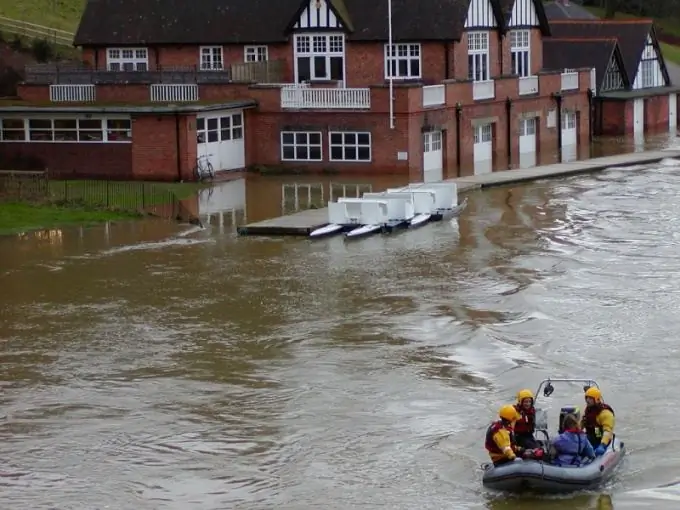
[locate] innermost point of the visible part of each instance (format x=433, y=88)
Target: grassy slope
x=60, y=14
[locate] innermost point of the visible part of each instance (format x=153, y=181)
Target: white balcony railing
x=325, y=98
x=483, y=90
x=569, y=80
x=167, y=92
x=434, y=95
x=528, y=85
x=72, y=93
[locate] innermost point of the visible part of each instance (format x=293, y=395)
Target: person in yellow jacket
x=598, y=421
x=500, y=439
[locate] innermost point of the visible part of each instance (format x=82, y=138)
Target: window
x=432, y=141
x=212, y=58
x=568, y=120
x=478, y=56
x=127, y=59
x=402, y=61
x=319, y=57
x=219, y=129
x=349, y=146
x=483, y=134
x=300, y=146
x=65, y=129
x=255, y=54
x=12, y=130
x=527, y=127
x=650, y=70
x=520, y=45
x=612, y=78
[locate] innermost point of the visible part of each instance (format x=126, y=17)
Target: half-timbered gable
x=523, y=15
x=481, y=14
x=318, y=15
x=614, y=77
x=650, y=71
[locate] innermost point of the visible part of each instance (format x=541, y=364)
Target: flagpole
x=392, y=61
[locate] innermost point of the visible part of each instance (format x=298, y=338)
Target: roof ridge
x=604, y=21
x=584, y=39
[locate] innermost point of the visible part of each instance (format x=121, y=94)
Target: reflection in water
x=162, y=366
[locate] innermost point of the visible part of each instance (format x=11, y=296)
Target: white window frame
x=211, y=58
x=118, y=58
x=323, y=46
x=432, y=141
x=255, y=53
x=486, y=135
x=403, y=54
x=295, y=145
x=520, y=52
x=612, y=77
x=478, y=56
x=524, y=126
x=345, y=144
x=233, y=128
x=106, y=130
x=568, y=120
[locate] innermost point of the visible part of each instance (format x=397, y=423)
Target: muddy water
x=156, y=366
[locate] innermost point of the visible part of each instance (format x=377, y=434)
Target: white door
x=527, y=142
x=569, y=137
x=483, y=149
x=220, y=137
x=638, y=116
x=433, y=157
x=672, y=112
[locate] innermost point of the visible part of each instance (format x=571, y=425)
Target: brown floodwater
x=151, y=365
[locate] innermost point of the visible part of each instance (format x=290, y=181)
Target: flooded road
x=156, y=366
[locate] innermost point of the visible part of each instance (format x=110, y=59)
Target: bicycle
x=204, y=168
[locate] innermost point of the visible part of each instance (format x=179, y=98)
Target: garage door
x=483, y=149
x=220, y=137
x=569, y=138
x=433, y=157
x=672, y=112
x=527, y=142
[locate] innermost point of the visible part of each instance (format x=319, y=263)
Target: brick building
x=301, y=84
x=634, y=93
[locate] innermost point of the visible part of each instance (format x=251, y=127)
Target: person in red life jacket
x=598, y=421
x=500, y=441
x=526, y=425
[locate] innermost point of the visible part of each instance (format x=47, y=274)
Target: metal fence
x=34, y=31
x=72, y=74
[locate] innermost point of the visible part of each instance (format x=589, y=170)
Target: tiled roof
x=135, y=22
x=578, y=53
x=568, y=10
x=630, y=34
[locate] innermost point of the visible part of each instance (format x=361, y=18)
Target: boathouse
x=460, y=89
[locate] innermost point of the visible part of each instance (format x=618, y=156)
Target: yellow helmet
x=594, y=393
x=509, y=413
x=522, y=394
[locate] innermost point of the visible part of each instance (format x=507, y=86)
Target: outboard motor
x=564, y=412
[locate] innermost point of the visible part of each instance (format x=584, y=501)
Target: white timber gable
x=649, y=73
x=480, y=15
x=318, y=14
x=523, y=14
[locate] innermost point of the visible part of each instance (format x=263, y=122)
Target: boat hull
x=328, y=230
x=363, y=231
x=420, y=220
x=454, y=212
x=538, y=476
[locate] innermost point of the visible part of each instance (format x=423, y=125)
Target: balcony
x=483, y=90
x=434, y=95
x=72, y=93
x=171, y=92
x=528, y=85
x=303, y=97
x=569, y=80
x=70, y=74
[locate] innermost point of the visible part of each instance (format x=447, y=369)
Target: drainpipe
x=447, y=56
x=590, y=115
x=459, y=110
x=177, y=147
x=558, y=101
x=508, y=116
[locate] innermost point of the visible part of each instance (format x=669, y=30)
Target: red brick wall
x=618, y=116
x=77, y=160
x=656, y=113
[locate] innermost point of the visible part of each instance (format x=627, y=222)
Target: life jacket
x=489, y=443
x=527, y=425
x=592, y=429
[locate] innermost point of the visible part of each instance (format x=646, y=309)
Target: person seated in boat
x=571, y=448
x=526, y=425
x=598, y=421
x=500, y=438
